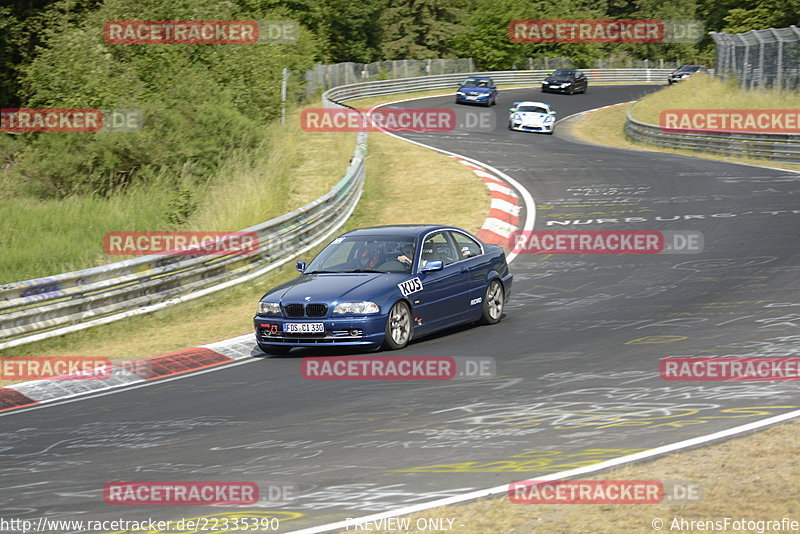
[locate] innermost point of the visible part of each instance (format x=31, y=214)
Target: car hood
x=559, y=80
x=340, y=287
x=531, y=116
x=471, y=89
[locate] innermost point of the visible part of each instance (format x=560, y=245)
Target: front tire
x=398, y=326
x=493, y=302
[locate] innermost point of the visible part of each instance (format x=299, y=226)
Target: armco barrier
x=49, y=307
x=532, y=78
x=776, y=147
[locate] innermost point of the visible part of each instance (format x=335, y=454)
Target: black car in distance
x=569, y=81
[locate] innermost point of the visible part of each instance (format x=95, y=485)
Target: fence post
x=283, y=94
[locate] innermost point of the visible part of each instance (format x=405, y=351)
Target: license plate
x=472, y=98
x=554, y=87
x=304, y=328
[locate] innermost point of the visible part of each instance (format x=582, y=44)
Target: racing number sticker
x=410, y=286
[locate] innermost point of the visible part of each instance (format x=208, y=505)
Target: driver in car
x=407, y=257
x=368, y=258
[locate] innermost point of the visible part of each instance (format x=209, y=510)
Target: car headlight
x=549, y=119
x=517, y=117
x=358, y=308
x=269, y=308
x=460, y=93
x=566, y=84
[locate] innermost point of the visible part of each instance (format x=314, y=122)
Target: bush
x=201, y=103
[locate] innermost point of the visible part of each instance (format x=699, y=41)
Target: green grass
x=706, y=92
x=42, y=237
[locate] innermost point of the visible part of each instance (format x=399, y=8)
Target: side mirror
x=551, y=112
x=432, y=266
x=301, y=266
x=512, y=109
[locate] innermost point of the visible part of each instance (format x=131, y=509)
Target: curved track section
x=577, y=357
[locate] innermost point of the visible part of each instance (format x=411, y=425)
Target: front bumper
x=340, y=331
x=528, y=128
x=559, y=89
x=479, y=99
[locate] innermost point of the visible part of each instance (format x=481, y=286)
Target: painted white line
x=493, y=186
x=505, y=205
x=501, y=228
x=497, y=490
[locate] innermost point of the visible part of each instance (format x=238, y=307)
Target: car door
x=472, y=262
x=582, y=81
x=438, y=303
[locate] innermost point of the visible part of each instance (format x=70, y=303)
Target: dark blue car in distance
x=384, y=286
x=477, y=90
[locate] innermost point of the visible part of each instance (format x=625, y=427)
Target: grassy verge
x=405, y=184
x=706, y=92
x=607, y=126
x=45, y=237
x=752, y=478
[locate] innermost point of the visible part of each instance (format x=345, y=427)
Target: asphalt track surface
x=577, y=357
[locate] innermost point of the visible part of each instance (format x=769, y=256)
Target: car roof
x=529, y=103
x=477, y=78
x=411, y=230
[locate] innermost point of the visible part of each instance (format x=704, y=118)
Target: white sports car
x=531, y=117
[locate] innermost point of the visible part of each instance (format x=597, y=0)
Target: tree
x=422, y=29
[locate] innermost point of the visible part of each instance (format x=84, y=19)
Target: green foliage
x=487, y=39
x=422, y=29
x=201, y=103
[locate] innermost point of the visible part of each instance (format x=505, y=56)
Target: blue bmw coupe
x=383, y=286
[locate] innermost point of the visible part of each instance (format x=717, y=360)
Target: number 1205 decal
x=410, y=286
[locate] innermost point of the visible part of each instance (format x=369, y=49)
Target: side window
x=466, y=246
x=437, y=247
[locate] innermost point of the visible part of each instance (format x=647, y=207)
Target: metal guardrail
x=775, y=147
x=52, y=306
x=48, y=307
x=514, y=77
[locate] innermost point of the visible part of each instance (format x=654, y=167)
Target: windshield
x=686, y=68
x=532, y=109
x=563, y=73
x=474, y=82
x=360, y=254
